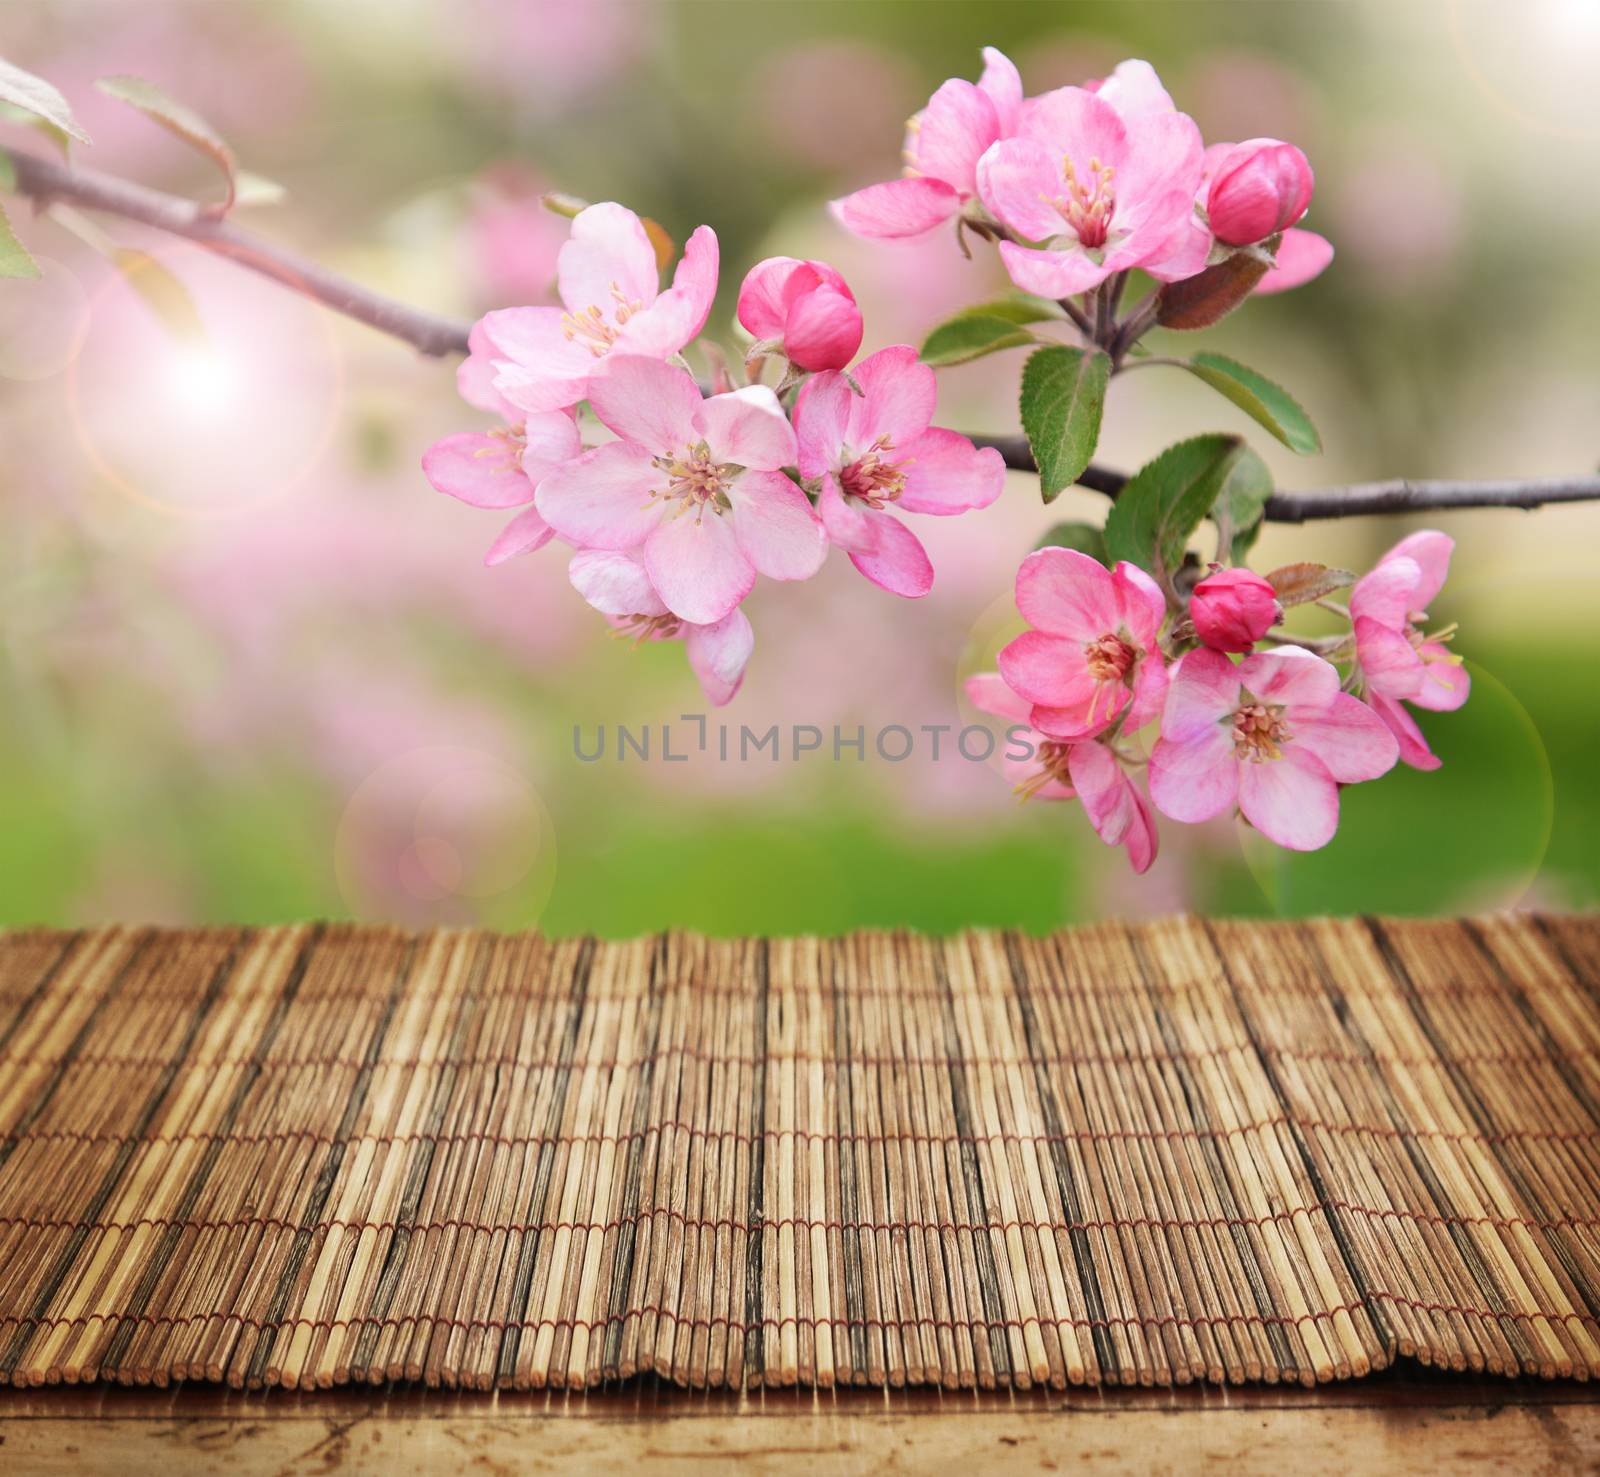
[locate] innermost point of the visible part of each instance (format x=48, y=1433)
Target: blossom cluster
x=1082, y=183
x=1144, y=683
x=1107, y=683
x=674, y=501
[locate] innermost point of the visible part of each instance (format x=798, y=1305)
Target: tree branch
x=44, y=180
x=1358, y=499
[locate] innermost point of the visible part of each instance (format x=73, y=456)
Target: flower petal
x=719, y=653
x=988, y=693
x=1139, y=598
x=897, y=400
x=1001, y=83
x=1302, y=255
x=747, y=427
x=1057, y=274
x=897, y=208
x=847, y=521
x=1414, y=748
x=607, y=257
x=1352, y=742
x=522, y=535
x=647, y=402
x=1292, y=676
x=821, y=422
x=1135, y=91
x=1151, y=680
x=776, y=528
x=1017, y=180
x=767, y=292
x=681, y=311
x=695, y=563
x=479, y=469
x=549, y=440
x=1197, y=778
x=897, y=562
x=1388, y=594
x=602, y=499
x=1103, y=788
x=945, y=473
x=1204, y=691
x=1389, y=662
x=1430, y=550
x=1292, y=800
x=1050, y=671
x=958, y=124
x=614, y=583
x=1446, y=683
x=1069, y=594
x=1079, y=125
x=537, y=367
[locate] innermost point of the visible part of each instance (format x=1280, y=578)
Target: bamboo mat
x=1169, y=1152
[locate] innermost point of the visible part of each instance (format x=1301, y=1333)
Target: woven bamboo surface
x=1136, y=1154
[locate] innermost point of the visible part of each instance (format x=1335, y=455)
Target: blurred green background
x=253, y=668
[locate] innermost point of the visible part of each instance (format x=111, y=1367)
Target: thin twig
x=44, y=180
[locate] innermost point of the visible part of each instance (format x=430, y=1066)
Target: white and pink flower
x=1273, y=735
x=943, y=145
x=618, y=586
x=1092, y=657
x=693, y=484
x=878, y=448
x=544, y=358
x=1102, y=181
x=1400, y=663
x=1056, y=769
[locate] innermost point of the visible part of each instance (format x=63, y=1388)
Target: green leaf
x=1166, y=500
x=14, y=258
x=970, y=336
x=1260, y=399
x=1084, y=537
x=36, y=96
x=1241, y=502
x=1063, y=394
x=178, y=118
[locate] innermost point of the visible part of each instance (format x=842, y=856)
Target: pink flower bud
x=1233, y=609
x=1259, y=187
x=805, y=305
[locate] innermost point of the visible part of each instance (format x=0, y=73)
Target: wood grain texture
x=1173, y=1153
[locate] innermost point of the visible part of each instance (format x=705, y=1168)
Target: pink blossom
x=1301, y=255
x=1274, y=735
x=1233, y=608
x=806, y=307
x=1091, y=657
x=943, y=145
x=1058, y=770
x=502, y=468
x=1101, y=189
x=1258, y=188
x=693, y=484
x=1398, y=661
x=544, y=358
x=618, y=585
x=879, y=447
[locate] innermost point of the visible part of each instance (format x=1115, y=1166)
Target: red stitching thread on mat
x=101, y=1060
x=737, y=1325
x=1087, y=1135
x=800, y=1222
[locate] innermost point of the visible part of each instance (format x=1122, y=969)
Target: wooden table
x=1402, y=1422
